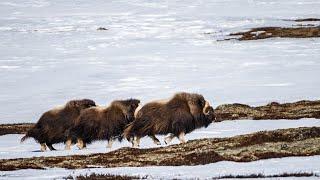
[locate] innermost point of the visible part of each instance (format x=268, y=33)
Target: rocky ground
x=274, y=110
x=243, y=148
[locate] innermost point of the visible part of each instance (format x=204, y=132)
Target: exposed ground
x=274, y=110
x=120, y=177
x=282, y=32
x=20, y=128
x=243, y=148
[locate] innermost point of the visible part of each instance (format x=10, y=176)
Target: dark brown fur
x=182, y=113
x=53, y=124
x=104, y=123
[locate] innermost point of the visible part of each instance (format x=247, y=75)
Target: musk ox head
x=127, y=107
x=200, y=109
x=81, y=104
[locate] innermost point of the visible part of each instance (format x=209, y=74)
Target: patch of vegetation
x=20, y=128
x=272, y=32
x=95, y=176
x=274, y=110
x=243, y=148
x=298, y=174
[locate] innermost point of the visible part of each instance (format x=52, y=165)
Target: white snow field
x=51, y=52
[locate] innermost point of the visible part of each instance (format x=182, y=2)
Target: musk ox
x=177, y=116
x=53, y=124
x=103, y=123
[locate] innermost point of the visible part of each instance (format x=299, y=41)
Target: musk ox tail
x=127, y=132
x=24, y=138
x=31, y=133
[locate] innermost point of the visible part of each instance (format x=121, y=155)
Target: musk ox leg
x=80, y=143
x=182, y=138
x=169, y=138
x=43, y=147
x=155, y=139
x=136, y=142
x=110, y=142
x=51, y=147
x=68, y=144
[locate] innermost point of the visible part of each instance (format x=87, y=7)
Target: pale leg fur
x=43, y=147
x=136, y=142
x=110, y=143
x=155, y=140
x=168, y=139
x=80, y=143
x=182, y=138
x=68, y=144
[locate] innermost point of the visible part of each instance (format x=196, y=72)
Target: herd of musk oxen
x=82, y=121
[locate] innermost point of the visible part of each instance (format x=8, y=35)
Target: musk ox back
x=53, y=124
x=104, y=123
x=177, y=116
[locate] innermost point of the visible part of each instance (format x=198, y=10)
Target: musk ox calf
x=103, y=123
x=177, y=116
x=53, y=124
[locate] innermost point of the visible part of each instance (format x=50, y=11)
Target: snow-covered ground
x=10, y=146
x=51, y=52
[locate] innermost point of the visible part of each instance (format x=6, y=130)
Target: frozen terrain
x=51, y=52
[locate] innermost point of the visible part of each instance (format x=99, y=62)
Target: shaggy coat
x=53, y=124
x=104, y=123
x=183, y=113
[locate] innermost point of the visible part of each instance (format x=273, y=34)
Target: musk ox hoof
x=158, y=143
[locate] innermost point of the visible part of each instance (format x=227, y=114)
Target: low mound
x=20, y=128
x=274, y=110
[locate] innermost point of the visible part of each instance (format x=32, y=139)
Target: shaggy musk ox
x=177, y=116
x=103, y=123
x=53, y=124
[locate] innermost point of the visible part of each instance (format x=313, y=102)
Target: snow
x=51, y=52
x=10, y=146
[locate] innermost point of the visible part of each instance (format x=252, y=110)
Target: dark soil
x=243, y=148
x=272, y=32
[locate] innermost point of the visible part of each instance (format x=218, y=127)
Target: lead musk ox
x=177, y=116
x=103, y=123
x=53, y=124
